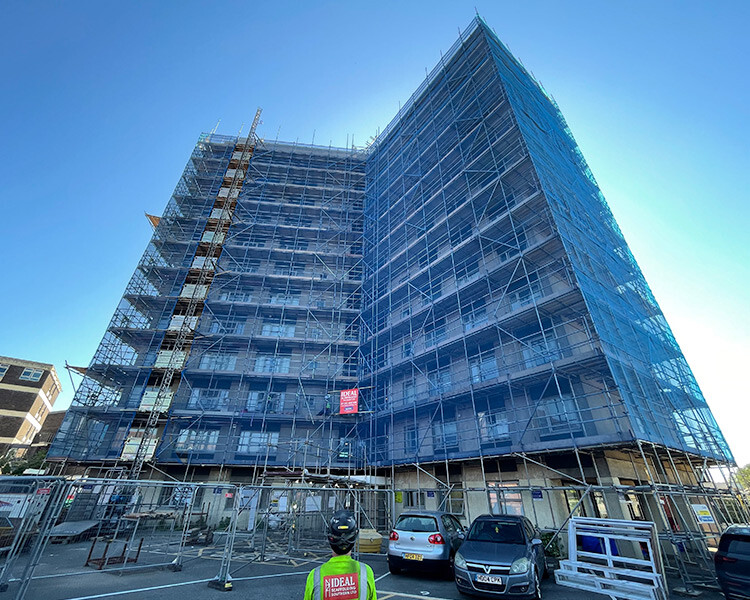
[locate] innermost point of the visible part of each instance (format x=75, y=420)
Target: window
x=558, y=415
x=407, y=349
x=414, y=523
x=3, y=370
x=538, y=351
x=504, y=499
x=493, y=427
x=522, y=292
x=435, y=332
x=196, y=441
x=483, y=368
x=410, y=392
x=440, y=381
x=273, y=363
x=291, y=298
x=249, y=266
x=509, y=250
x=600, y=506
x=230, y=326
x=738, y=546
x=218, y=362
x=275, y=328
x=633, y=502
x=204, y=399
x=414, y=499
x=445, y=436
x=572, y=499
x=476, y=317
x=467, y=271
x=430, y=294
x=453, y=502
x=256, y=442
x=235, y=296
x=410, y=439
x=255, y=401
x=31, y=374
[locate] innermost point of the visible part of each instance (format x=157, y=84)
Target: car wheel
x=393, y=569
x=537, y=586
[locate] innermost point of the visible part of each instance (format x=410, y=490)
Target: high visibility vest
x=341, y=586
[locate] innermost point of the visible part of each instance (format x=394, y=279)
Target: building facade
x=464, y=272
x=240, y=323
x=28, y=391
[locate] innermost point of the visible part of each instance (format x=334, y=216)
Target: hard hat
x=342, y=531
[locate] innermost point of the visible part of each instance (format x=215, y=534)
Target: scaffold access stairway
x=176, y=345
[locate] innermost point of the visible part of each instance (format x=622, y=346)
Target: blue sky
x=101, y=104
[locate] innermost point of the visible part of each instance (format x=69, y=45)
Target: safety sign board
x=702, y=513
x=349, y=403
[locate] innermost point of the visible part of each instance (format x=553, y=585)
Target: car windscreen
x=500, y=532
x=416, y=524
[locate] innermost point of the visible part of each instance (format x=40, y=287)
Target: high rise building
x=463, y=272
x=28, y=389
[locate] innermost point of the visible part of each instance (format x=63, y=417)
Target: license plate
x=412, y=556
x=494, y=579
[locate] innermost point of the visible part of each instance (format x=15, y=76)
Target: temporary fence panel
x=115, y=525
x=29, y=508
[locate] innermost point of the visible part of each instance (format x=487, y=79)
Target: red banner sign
x=349, y=403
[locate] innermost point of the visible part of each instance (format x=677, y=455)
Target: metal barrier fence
x=689, y=520
x=213, y=530
x=216, y=530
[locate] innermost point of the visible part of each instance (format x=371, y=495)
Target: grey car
x=424, y=540
x=501, y=556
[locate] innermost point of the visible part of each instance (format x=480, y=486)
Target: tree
x=743, y=476
x=16, y=466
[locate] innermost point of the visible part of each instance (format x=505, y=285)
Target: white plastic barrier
x=621, y=559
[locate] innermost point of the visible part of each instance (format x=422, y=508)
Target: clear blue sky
x=101, y=103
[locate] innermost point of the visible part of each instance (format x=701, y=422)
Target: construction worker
x=341, y=578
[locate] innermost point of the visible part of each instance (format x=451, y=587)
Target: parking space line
x=147, y=589
x=381, y=577
x=269, y=576
x=179, y=583
x=403, y=595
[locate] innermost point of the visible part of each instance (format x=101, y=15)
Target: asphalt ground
x=62, y=576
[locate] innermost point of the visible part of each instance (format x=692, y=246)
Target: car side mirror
x=536, y=541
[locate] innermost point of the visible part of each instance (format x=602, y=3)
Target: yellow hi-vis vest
x=341, y=578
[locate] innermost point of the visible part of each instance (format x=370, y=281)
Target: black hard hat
x=342, y=531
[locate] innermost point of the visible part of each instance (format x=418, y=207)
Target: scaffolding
x=464, y=272
x=240, y=326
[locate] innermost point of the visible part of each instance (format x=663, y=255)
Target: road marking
x=170, y=585
x=402, y=595
x=381, y=577
x=268, y=576
x=148, y=589
x=386, y=597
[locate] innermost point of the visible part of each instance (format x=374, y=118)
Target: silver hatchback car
x=424, y=540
